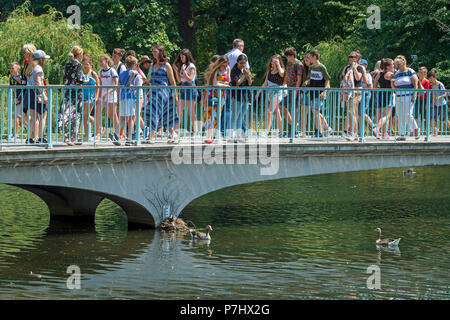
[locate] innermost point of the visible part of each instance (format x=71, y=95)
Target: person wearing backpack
x=405, y=78
x=116, y=57
x=438, y=101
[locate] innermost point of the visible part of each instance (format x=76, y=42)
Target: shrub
x=48, y=32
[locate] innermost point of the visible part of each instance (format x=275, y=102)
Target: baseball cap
x=39, y=54
x=363, y=61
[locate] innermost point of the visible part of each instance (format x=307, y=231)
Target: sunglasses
x=351, y=56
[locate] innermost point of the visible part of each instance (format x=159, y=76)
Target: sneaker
x=345, y=133
x=146, y=132
x=114, y=138
x=317, y=134
x=209, y=141
x=30, y=141
x=43, y=140
x=129, y=143
x=401, y=138
x=374, y=131
x=329, y=132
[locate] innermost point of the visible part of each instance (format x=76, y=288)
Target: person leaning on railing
x=405, y=78
x=318, y=78
x=185, y=74
x=385, y=99
x=27, y=50
x=161, y=107
x=217, y=75
x=275, y=78
x=36, y=99
x=240, y=77
x=439, y=110
x=69, y=115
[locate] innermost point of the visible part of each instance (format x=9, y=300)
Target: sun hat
x=39, y=54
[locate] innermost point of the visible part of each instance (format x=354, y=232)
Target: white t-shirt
x=233, y=55
x=107, y=76
x=191, y=66
x=31, y=81
x=369, y=81
x=122, y=67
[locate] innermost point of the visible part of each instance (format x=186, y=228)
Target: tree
x=48, y=32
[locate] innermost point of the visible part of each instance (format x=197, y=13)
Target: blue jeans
x=239, y=109
x=225, y=121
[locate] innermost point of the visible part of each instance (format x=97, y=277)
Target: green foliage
x=408, y=27
x=48, y=32
x=132, y=24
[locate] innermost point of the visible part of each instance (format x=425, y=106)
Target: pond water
x=303, y=238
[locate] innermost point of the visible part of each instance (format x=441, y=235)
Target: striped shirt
x=403, y=80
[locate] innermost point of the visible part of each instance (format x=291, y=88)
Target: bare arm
x=356, y=73
x=375, y=82
x=189, y=75
x=177, y=76
x=97, y=83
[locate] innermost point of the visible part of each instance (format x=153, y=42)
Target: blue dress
x=161, y=108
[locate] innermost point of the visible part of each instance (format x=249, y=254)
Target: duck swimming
x=201, y=235
x=388, y=242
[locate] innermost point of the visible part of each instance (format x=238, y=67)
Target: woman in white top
x=37, y=98
x=186, y=73
x=405, y=78
x=108, y=77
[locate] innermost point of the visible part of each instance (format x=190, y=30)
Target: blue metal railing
x=135, y=115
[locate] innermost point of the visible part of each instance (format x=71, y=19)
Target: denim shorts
x=188, y=93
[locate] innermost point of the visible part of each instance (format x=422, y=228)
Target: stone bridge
x=151, y=181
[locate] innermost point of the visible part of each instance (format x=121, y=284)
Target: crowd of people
x=163, y=107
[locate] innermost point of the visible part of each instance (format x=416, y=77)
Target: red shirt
x=427, y=86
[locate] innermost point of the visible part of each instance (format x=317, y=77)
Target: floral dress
x=69, y=115
x=209, y=113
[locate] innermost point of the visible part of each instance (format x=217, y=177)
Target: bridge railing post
x=363, y=114
x=49, y=118
x=293, y=116
x=427, y=136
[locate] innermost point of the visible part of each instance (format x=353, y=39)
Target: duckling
x=410, y=172
x=201, y=235
x=389, y=242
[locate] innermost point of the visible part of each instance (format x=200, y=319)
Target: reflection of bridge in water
x=148, y=181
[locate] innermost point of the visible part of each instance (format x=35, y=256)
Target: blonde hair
x=400, y=60
x=28, y=48
x=131, y=61
x=76, y=50
x=15, y=63
x=213, y=67
x=32, y=65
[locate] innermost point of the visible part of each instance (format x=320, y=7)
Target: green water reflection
x=309, y=237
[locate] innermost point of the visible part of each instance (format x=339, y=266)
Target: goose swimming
x=389, y=242
x=201, y=235
x=410, y=172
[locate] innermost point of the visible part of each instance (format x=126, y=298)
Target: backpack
x=118, y=68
